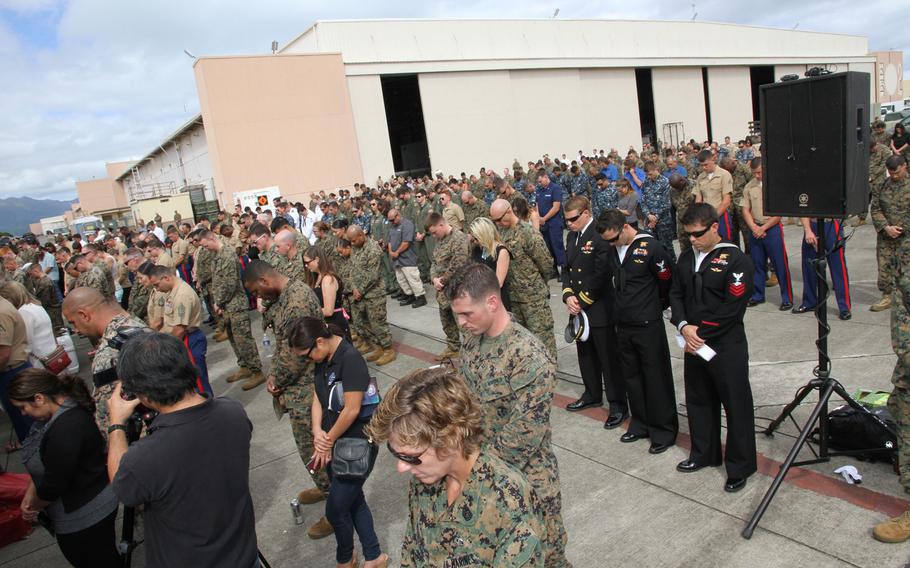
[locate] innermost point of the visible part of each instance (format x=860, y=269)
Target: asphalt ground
x=621, y=505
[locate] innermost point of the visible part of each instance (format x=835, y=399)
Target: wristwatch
x=113, y=427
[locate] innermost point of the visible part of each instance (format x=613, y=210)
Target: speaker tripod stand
x=823, y=382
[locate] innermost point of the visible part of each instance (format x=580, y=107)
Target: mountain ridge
x=17, y=212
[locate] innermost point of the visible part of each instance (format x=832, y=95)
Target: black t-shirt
x=193, y=473
x=346, y=365
x=900, y=139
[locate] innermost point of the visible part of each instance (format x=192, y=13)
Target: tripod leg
x=791, y=457
x=788, y=410
x=126, y=536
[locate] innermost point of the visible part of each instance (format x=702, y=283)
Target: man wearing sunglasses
x=588, y=287
x=711, y=287
x=641, y=275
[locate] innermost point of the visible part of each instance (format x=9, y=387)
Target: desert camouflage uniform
x=295, y=374
x=370, y=310
x=495, y=522
x=229, y=295
x=514, y=380
x=97, y=278
x=106, y=358
x=529, y=270
x=452, y=252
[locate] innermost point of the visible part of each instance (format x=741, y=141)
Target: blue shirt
x=641, y=175
x=611, y=172
x=545, y=197
x=677, y=170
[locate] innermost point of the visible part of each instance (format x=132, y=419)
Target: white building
x=455, y=95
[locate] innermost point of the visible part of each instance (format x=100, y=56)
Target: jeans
x=21, y=423
x=347, y=510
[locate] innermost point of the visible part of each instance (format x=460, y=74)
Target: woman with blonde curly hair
x=460, y=493
x=490, y=250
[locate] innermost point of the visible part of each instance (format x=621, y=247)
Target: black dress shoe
x=734, y=484
x=581, y=404
x=420, y=302
x=688, y=466
x=845, y=315
x=398, y=295
x=630, y=437
x=753, y=303
x=659, y=448
x=785, y=307
x=616, y=419
x=801, y=309
x=406, y=301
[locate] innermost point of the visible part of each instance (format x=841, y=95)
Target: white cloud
x=109, y=80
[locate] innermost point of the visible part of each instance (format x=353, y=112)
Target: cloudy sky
x=86, y=82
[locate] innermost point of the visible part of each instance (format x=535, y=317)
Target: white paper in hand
x=704, y=351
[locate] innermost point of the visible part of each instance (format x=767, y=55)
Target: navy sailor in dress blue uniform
x=588, y=287
x=642, y=278
x=711, y=287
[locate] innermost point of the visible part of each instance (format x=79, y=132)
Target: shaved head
x=89, y=311
x=499, y=207
x=83, y=298
x=286, y=238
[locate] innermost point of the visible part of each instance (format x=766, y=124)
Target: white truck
x=257, y=198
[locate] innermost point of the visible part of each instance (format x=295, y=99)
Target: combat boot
x=881, y=305
x=387, y=356
x=220, y=335
x=772, y=281
x=358, y=344
x=321, y=529
x=310, y=496
x=374, y=355
x=893, y=530
x=240, y=374
x=420, y=302
x=447, y=354
x=253, y=380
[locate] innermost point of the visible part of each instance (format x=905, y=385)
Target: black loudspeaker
x=815, y=146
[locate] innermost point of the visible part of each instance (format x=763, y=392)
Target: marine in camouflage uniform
x=473, y=212
x=891, y=207
x=742, y=174
x=104, y=360
x=427, y=246
x=452, y=252
x=899, y=401
x=97, y=278
x=655, y=200
x=229, y=295
x=495, y=522
x=514, y=380
x=681, y=199
x=529, y=270
x=294, y=375
x=203, y=269
x=44, y=289
x=885, y=247
x=138, y=306
x=370, y=309
x=379, y=232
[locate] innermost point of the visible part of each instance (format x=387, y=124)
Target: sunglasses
x=699, y=234
x=614, y=239
x=498, y=219
x=575, y=218
x=408, y=459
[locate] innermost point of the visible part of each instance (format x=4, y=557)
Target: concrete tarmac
x=621, y=505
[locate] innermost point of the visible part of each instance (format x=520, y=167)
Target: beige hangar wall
x=368, y=108
x=730, y=98
x=680, y=97
x=490, y=118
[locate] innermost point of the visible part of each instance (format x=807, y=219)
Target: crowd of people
x=669, y=233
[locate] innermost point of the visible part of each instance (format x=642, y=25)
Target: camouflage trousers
x=56, y=315
x=537, y=317
x=741, y=227
x=899, y=401
x=240, y=334
x=885, y=255
x=298, y=399
x=664, y=232
x=450, y=328
x=683, y=238
x=372, y=323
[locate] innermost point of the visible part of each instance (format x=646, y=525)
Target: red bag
x=12, y=491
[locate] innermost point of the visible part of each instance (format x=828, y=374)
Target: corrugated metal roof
x=389, y=41
x=157, y=149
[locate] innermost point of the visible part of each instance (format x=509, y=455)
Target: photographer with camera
x=192, y=469
x=64, y=455
x=345, y=397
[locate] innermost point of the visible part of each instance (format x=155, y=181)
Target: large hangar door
x=407, y=133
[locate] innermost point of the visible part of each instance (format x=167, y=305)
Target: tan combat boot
x=220, y=336
x=447, y=354
x=310, y=496
x=373, y=355
x=772, y=281
x=253, y=380
x=881, y=305
x=893, y=530
x=387, y=356
x=321, y=529
x=240, y=374
x=359, y=345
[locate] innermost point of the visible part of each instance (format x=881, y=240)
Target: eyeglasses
x=498, y=219
x=699, y=234
x=307, y=352
x=614, y=239
x=408, y=459
x=575, y=218
x=306, y=262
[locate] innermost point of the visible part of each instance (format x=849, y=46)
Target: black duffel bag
x=853, y=429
